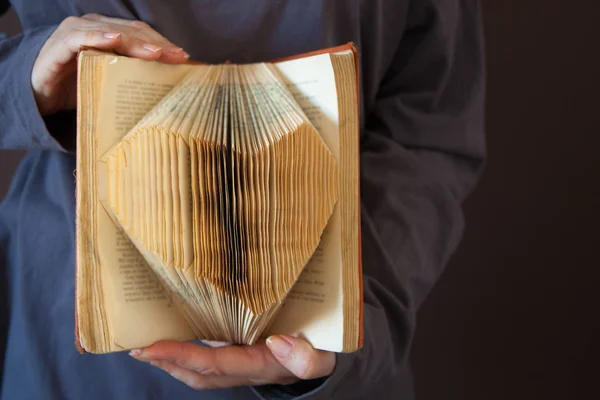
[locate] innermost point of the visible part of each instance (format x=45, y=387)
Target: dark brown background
x=515, y=316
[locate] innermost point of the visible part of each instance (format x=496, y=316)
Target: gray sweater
x=422, y=150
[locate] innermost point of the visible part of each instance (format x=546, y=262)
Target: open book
x=218, y=202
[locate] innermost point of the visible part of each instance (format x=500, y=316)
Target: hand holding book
x=54, y=74
x=281, y=360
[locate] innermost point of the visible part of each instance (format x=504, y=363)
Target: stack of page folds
x=225, y=188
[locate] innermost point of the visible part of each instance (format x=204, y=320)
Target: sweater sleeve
x=21, y=125
x=422, y=151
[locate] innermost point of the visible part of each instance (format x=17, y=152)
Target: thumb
x=300, y=358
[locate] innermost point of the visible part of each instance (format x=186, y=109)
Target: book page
x=138, y=310
x=314, y=308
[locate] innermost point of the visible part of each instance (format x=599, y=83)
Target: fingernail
x=186, y=55
x=280, y=347
x=135, y=353
x=111, y=35
x=151, y=47
x=173, y=49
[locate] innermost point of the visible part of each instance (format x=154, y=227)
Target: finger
x=134, y=47
x=300, y=358
x=250, y=361
x=199, y=381
x=119, y=42
x=171, y=53
x=143, y=29
x=65, y=50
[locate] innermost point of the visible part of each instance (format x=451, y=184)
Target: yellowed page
x=314, y=308
x=138, y=311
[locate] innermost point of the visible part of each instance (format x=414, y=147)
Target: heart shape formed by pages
x=225, y=188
